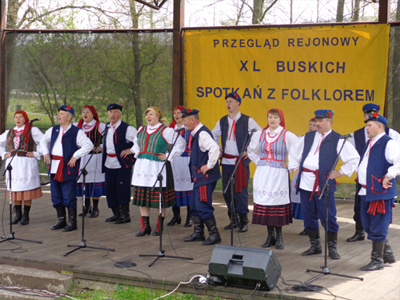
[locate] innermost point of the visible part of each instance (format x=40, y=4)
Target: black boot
x=388, y=256
x=144, y=226
x=376, y=262
x=243, y=227
x=124, y=214
x=176, y=219
x=116, y=215
x=25, y=217
x=95, y=211
x=234, y=223
x=279, y=238
x=87, y=207
x=270, y=241
x=304, y=232
x=198, y=230
x=71, y=220
x=315, y=243
x=61, y=218
x=359, y=235
x=189, y=220
x=18, y=214
x=213, y=234
x=332, y=243
x=160, y=226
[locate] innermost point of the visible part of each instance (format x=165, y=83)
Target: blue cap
x=370, y=107
x=324, y=113
x=235, y=96
x=114, y=106
x=67, y=108
x=374, y=116
x=189, y=112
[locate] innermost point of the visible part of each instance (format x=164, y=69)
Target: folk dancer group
x=187, y=154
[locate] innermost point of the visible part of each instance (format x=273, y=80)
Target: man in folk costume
x=317, y=153
x=117, y=165
x=67, y=145
x=233, y=129
x=377, y=173
x=205, y=174
x=358, y=140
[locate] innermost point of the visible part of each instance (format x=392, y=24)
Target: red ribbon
x=376, y=207
x=203, y=193
x=240, y=174
x=60, y=174
x=316, y=182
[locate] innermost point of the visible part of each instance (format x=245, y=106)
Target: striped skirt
x=276, y=215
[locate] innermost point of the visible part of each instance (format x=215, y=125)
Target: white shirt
x=112, y=162
x=169, y=135
x=206, y=143
x=230, y=144
x=349, y=157
x=82, y=141
x=36, y=134
x=392, y=155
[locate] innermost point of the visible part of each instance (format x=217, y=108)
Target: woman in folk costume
x=269, y=149
x=25, y=183
x=180, y=168
x=95, y=187
x=150, y=148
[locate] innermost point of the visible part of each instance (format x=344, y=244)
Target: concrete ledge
x=35, y=279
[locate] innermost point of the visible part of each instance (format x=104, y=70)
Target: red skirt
x=279, y=215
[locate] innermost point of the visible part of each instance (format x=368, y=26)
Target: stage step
x=13, y=277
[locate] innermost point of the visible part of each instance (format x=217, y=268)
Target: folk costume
x=234, y=133
x=204, y=151
x=65, y=143
x=358, y=140
x=117, y=169
x=271, y=192
x=25, y=183
x=380, y=159
x=182, y=179
x=95, y=186
x=150, y=142
x=315, y=157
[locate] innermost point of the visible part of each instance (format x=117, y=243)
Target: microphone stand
x=161, y=252
x=84, y=172
x=324, y=268
x=231, y=182
x=9, y=168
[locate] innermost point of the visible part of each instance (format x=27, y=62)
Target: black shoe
x=315, y=243
x=116, y=215
x=160, y=226
x=270, y=241
x=25, y=217
x=279, y=238
x=376, y=262
x=189, y=219
x=213, y=237
x=304, y=232
x=72, y=223
x=124, y=216
x=176, y=219
x=332, y=242
x=359, y=235
x=144, y=227
x=61, y=215
x=18, y=214
x=388, y=256
x=235, y=223
x=198, y=232
x=243, y=223
x=94, y=213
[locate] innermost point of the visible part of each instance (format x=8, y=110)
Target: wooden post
x=384, y=13
x=2, y=67
x=177, y=58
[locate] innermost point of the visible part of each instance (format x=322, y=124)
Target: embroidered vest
x=376, y=171
x=241, y=133
x=273, y=153
x=199, y=158
x=94, y=134
x=27, y=144
x=151, y=145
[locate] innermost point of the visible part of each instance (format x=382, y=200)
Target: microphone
x=34, y=120
x=105, y=129
x=346, y=136
x=180, y=129
x=252, y=130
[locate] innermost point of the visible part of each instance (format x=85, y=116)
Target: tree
x=340, y=11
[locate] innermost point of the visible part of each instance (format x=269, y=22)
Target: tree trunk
x=340, y=10
x=356, y=11
x=137, y=66
x=257, y=11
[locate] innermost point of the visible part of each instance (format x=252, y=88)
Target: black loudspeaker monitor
x=244, y=267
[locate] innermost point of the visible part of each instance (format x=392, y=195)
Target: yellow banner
x=298, y=70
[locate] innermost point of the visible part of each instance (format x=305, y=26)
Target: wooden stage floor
x=99, y=265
